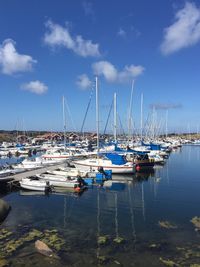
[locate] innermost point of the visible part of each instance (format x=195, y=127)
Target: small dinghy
x=77, y=184
x=35, y=185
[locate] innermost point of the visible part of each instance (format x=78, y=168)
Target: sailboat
x=59, y=154
x=109, y=161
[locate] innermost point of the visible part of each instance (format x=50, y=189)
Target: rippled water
x=129, y=210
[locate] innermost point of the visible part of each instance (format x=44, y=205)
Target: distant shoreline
x=13, y=135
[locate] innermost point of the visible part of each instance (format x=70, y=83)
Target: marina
x=99, y=133
x=129, y=220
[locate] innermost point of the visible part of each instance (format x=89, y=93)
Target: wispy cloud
x=36, y=87
x=165, y=106
x=11, y=62
x=83, y=82
x=135, y=32
x=88, y=8
x=121, y=33
x=184, y=32
x=57, y=35
x=111, y=74
x=127, y=33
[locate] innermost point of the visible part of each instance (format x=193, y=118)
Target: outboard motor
x=29, y=153
x=80, y=181
x=101, y=170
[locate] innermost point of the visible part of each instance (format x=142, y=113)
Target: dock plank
x=21, y=175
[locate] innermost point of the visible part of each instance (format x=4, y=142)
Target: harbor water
x=141, y=220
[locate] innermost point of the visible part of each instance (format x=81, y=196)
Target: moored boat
x=60, y=181
x=35, y=185
x=116, y=163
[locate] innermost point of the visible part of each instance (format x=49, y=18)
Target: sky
x=51, y=49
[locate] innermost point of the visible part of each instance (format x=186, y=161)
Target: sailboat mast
x=115, y=117
x=97, y=112
x=64, y=121
x=130, y=111
x=141, y=118
x=166, y=124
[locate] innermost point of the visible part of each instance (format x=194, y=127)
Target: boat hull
x=33, y=187
x=115, y=169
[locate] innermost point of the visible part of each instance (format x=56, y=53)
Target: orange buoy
x=137, y=168
x=77, y=189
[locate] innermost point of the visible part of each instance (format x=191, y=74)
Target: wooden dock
x=18, y=176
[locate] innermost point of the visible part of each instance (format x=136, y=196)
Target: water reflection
x=117, y=222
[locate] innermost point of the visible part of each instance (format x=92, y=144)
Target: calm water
x=130, y=211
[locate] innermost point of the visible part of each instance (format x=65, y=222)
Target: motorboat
x=157, y=158
x=34, y=163
x=35, y=185
x=72, y=172
x=60, y=181
x=57, y=154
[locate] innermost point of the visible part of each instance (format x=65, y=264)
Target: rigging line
x=111, y=106
x=90, y=99
x=120, y=122
x=70, y=115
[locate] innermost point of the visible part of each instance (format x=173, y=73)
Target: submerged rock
x=11, y=243
x=167, y=225
x=43, y=249
x=4, y=210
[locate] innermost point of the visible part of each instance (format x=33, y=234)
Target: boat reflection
x=144, y=176
x=48, y=194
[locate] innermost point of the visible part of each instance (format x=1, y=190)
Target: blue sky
x=53, y=48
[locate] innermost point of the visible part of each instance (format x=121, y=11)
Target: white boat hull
x=58, y=181
x=33, y=185
x=63, y=184
x=115, y=168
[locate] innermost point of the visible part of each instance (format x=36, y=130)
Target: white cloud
x=36, y=87
x=184, y=32
x=11, y=61
x=130, y=72
x=60, y=36
x=111, y=74
x=83, y=81
x=106, y=69
x=121, y=33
